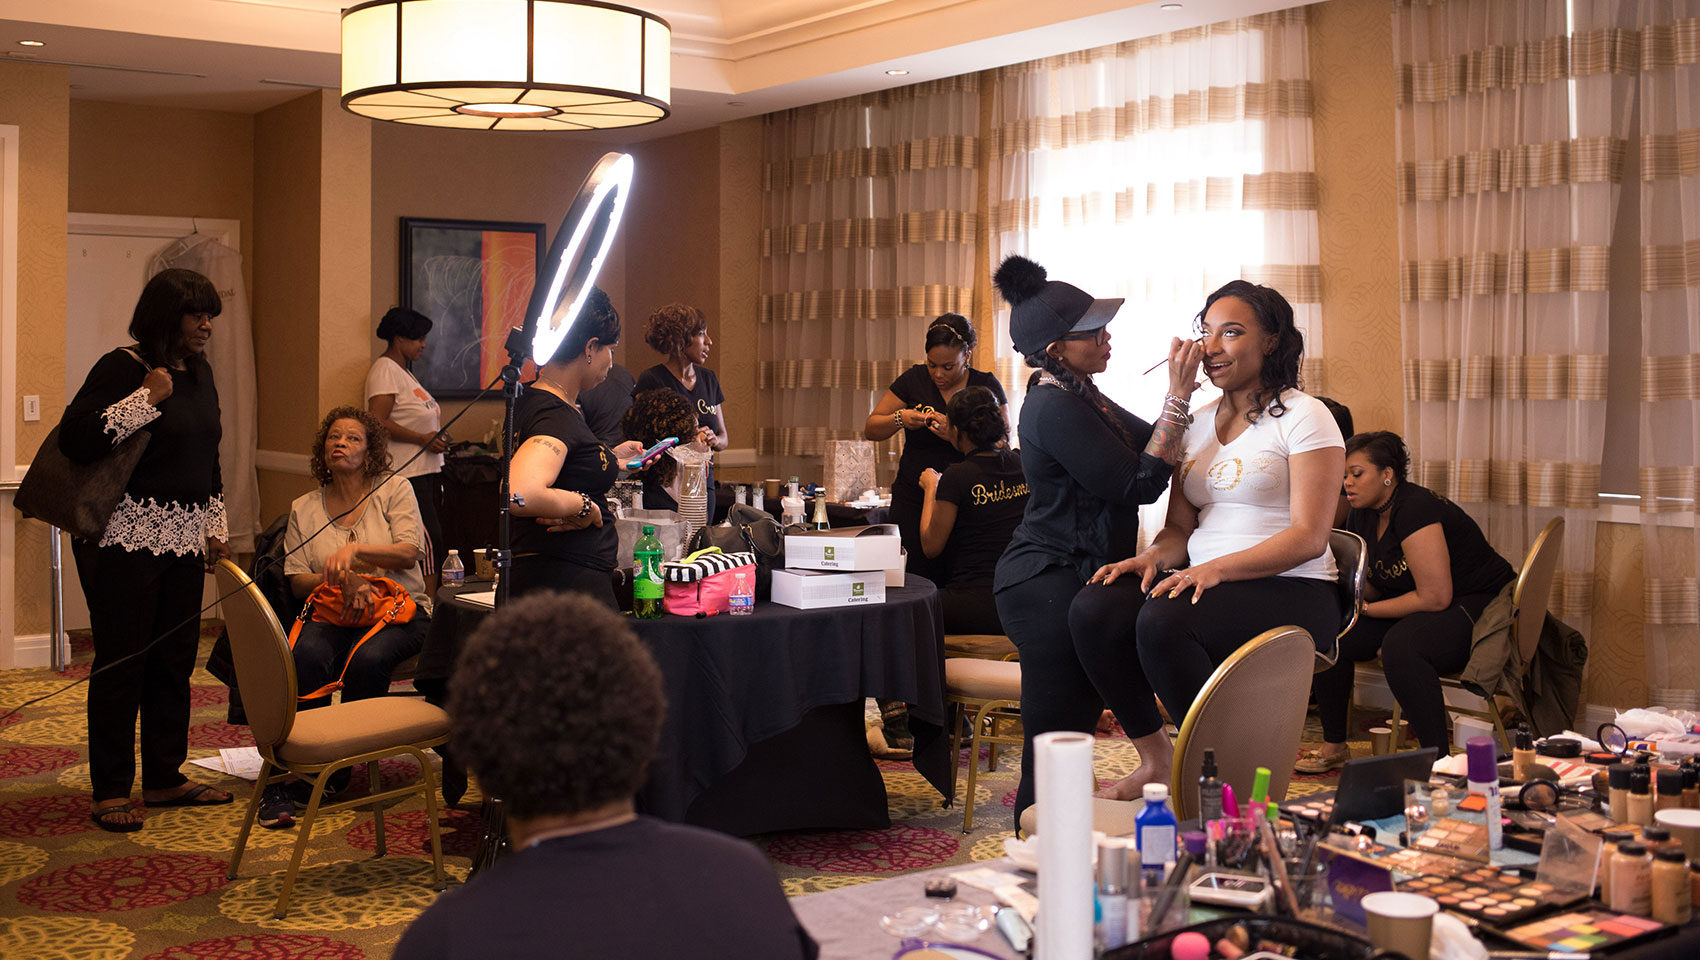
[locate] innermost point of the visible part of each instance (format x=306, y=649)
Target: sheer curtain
x=869, y=232
x=1670, y=339
x=1157, y=170
x=1511, y=123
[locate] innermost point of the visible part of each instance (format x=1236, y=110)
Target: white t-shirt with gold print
x=1243, y=489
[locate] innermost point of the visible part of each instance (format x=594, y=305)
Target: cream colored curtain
x=1157, y=170
x=869, y=233
x=1670, y=345
x=1511, y=122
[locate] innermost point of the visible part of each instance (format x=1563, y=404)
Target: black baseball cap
x=1045, y=310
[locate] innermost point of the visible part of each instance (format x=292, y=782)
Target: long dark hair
x=1280, y=369
x=157, y=323
x=1082, y=387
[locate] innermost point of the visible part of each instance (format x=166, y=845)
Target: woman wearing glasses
x=1089, y=464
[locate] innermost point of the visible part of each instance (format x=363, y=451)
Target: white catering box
x=876, y=547
x=811, y=589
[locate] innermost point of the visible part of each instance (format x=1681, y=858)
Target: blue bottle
x=1155, y=830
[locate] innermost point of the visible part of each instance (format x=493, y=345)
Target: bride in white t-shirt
x=411, y=415
x=1245, y=544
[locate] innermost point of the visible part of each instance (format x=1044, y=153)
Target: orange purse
x=391, y=604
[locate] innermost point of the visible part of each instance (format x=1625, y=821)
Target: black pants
x=970, y=610
x=1181, y=643
x=428, y=490
x=1415, y=651
x=1067, y=676
x=134, y=597
x=323, y=648
x=906, y=513
x=536, y=572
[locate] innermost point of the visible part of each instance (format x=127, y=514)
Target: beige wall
x=740, y=280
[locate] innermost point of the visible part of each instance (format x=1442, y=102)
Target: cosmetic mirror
x=576, y=256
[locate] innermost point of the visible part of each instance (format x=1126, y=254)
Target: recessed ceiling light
x=897, y=73
x=734, y=103
x=31, y=43
x=1168, y=6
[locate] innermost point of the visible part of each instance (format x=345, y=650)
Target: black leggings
x=428, y=490
x=970, y=610
x=1181, y=643
x=322, y=649
x=1066, y=675
x=1415, y=651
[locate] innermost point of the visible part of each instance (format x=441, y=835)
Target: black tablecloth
x=734, y=683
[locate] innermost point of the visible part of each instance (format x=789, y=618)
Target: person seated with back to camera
x=970, y=512
x=1245, y=544
x=657, y=414
x=562, y=725
x=1429, y=574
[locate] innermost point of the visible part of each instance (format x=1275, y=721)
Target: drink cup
x=1380, y=740
x=770, y=488
x=1401, y=922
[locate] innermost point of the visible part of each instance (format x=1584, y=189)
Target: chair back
x=1252, y=713
x=265, y=669
x=1351, y=559
x=1534, y=589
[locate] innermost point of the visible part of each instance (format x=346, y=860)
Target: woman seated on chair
x=656, y=415
x=1429, y=573
x=362, y=522
x=970, y=512
x=1245, y=544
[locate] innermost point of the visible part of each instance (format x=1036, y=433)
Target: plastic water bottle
x=743, y=597
x=453, y=570
x=646, y=576
x=1155, y=830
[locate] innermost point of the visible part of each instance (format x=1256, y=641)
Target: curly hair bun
x=1018, y=278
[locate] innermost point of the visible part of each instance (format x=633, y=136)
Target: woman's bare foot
x=1156, y=757
x=116, y=816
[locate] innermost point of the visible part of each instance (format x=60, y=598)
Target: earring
x=1386, y=482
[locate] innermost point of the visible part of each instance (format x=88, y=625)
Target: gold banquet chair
x=990, y=692
x=317, y=743
x=1251, y=712
x=1351, y=562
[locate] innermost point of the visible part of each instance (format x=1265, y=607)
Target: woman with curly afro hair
x=679, y=332
x=656, y=415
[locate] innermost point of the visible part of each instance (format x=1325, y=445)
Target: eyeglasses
x=1097, y=336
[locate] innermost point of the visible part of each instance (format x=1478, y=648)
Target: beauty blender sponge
x=1190, y=945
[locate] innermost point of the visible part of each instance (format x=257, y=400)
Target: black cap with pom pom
x=1044, y=310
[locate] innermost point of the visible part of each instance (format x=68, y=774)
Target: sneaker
x=301, y=791
x=276, y=809
x=1315, y=761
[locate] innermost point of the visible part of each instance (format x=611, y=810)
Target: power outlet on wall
x=32, y=409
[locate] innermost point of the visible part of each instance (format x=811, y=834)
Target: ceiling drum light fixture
x=506, y=64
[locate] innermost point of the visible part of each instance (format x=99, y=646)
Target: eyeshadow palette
x=1418, y=863
x=1456, y=838
x=1492, y=896
x=1581, y=931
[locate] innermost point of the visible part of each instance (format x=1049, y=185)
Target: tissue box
x=876, y=547
x=849, y=469
x=811, y=590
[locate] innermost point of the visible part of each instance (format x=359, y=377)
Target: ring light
x=575, y=258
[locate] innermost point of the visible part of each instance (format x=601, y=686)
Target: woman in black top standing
x=1089, y=464
x=143, y=579
x=680, y=333
x=1429, y=575
x=916, y=403
x=563, y=471
x=971, y=511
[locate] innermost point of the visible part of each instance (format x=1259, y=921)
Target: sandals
x=104, y=818
x=192, y=798
x=1315, y=762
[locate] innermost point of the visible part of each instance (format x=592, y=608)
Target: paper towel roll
x=1063, y=765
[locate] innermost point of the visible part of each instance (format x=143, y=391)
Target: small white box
x=812, y=590
x=876, y=547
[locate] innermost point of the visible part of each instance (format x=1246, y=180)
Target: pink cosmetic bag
x=701, y=584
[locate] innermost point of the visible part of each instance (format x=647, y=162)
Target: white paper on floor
x=241, y=762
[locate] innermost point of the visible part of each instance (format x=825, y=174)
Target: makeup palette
x=1418, y=863
x=1492, y=896
x=1581, y=931
x=1456, y=838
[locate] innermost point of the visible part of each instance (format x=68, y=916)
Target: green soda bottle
x=646, y=576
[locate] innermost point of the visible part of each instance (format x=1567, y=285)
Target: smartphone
x=649, y=455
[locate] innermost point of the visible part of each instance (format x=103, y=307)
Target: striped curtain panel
x=1670, y=346
x=1157, y=170
x=869, y=232
x=1511, y=126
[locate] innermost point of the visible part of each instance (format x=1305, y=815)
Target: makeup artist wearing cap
x=915, y=403
x=1430, y=574
x=1089, y=464
x=1245, y=545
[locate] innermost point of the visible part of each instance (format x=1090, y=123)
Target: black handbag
x=79, y=497
x=749, y=529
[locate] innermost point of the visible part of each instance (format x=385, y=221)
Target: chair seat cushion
x=1111, y=817
x=988, y=646
x=982, y=679
x=350, y=729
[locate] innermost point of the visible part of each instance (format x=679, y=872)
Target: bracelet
x=1181, y=402
x=897, y=418
x=584, y=506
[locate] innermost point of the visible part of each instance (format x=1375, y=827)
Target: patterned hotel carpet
x=70, y=890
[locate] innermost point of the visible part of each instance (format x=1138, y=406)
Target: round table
x=764, y=727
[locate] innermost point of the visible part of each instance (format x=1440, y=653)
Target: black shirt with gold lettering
x=589, y=469
x=1476, y=567
x=990, y=494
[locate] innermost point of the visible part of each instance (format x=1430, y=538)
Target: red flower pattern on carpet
x=219, y=734
x=272, y=946
x=26, y=761
x=208, y=696
x=124, y=883
x=10, y=719
x=49, y=816
x=77, y=671
x=899, y=847
x=406, y=834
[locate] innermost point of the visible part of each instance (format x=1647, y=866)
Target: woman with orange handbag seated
x=362, y=524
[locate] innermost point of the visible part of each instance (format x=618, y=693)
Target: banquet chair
x=317, y=743
x=1251, y=712
x=1351, y=561
x=982, y=646
x=1529, y=598
x=991, y=691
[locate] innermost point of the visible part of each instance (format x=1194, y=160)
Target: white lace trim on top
x=161, y=528
x=129, y=415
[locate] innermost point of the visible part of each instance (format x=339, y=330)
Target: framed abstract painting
x=473, y=278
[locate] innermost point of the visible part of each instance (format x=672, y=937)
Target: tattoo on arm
x=1168, y=441
x=549, y=445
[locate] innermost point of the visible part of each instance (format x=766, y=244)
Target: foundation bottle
x=1656, y=837
x=1617, y=794
x=1672, y=895
x=1694, y=884
x=1631, y=879
x=1640, y=802
x=1670, y=789
x=1691, y=783
x=1522, y=754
